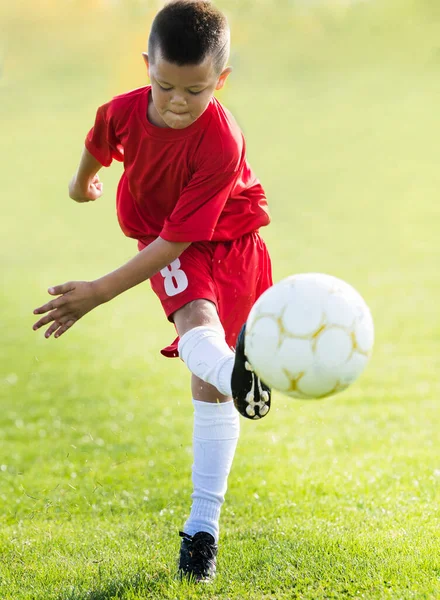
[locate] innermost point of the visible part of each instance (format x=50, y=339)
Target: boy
x=188, y=196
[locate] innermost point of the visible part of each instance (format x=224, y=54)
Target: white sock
x=216, y=431
x=207, y=355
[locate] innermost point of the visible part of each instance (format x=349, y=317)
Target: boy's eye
x=168, y=89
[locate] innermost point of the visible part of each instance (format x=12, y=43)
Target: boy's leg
x=216, y=422
x=192, y=301
x=215, y=436
x=228, y=278
x=203, y=348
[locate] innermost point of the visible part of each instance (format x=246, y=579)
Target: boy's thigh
x=242, y=272
x=215, y=281
x=187, y=279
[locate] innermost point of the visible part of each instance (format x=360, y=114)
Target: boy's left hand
x=75, y=299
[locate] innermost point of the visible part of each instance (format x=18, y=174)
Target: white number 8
x=175, y=280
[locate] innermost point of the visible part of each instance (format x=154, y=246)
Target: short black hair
x=185, y=32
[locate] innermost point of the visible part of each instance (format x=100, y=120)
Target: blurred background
x=339, y=102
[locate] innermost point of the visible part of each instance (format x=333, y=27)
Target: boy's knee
x=197, y=313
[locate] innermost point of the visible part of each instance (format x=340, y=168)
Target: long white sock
x=216, y=431
x=207, y=355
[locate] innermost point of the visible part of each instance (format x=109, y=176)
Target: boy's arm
x=76, y=298
x=85, y=185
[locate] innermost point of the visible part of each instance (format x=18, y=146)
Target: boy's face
x=181, y=94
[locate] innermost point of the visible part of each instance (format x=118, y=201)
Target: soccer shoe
x=197, y=556
x=251, y=396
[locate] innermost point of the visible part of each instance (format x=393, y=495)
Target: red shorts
x=232, y=275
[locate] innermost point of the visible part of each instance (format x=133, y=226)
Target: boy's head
x=188, y=49
x=186, y=32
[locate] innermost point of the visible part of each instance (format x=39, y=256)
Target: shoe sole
x=251, y=395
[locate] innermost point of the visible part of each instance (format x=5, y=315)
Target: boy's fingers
x=56, y=290
x=52, y=328
x=64, y=328
x=42, y=309
x=52, y=305
x=44, y=321
x=54, y=315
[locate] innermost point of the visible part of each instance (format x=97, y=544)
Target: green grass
x=336, y=499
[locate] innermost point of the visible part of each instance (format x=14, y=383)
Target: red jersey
x=184, y=185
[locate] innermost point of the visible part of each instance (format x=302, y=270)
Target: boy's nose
x=178, y=100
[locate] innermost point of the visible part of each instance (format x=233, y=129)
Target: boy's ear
x=147, y=62
x=222, y=78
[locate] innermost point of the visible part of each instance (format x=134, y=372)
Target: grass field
x=326, y=500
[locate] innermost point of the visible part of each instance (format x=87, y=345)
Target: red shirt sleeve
x=202, y=201
x=102, y=141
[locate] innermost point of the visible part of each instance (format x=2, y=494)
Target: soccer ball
x=309, y=336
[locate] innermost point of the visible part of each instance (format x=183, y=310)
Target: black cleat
x=197, y=557
x=251, y=396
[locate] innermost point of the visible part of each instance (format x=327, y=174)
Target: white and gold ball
x=309, y=336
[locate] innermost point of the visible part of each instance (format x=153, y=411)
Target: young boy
x=189, y=197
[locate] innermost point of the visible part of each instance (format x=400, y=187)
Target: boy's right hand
x=92, y=191
x=75, y=299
